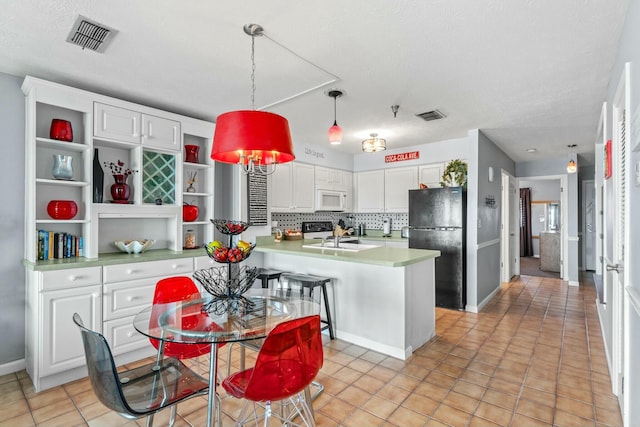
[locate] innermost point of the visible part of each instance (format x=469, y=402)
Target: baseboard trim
x=14, y=366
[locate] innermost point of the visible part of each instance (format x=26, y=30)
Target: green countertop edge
x=382, y=256
x=112, y=259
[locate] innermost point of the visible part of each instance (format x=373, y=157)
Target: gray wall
x=12, y=285
x=489, y=215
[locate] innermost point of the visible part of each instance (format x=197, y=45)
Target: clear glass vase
x=62, y=167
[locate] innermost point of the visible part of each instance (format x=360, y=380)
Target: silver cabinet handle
x=617, y=268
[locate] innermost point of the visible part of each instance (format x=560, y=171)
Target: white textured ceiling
x=529, y=73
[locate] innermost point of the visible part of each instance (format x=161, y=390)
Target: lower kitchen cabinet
x=61, y=342
x=106, y=297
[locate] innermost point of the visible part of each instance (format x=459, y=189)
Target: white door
x=615, y=237
x=589, y=225
x=510, y=210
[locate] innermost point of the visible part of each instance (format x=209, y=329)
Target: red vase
x=191, y=153
x=120, y=190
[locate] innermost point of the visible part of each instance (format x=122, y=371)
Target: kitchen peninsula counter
x=382, y=298
x=382, y=256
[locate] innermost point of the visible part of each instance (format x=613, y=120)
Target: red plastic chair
x=289, y=360
x=180, y=288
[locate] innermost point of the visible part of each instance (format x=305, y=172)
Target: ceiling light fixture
x=256, y=140
x=572, y=167
x=531, y=150
x=394, y=110
x=335, y=131
x=374, y=144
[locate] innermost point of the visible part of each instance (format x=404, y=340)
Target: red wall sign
x=400, y=157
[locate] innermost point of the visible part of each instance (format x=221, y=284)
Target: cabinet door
x=347, y=182
x=160, y=133
x=280, y=193
x=397, y=183
x=303, y=187
x=370, y=191
x=431, y=175
x=116, y=123
x=62, y=344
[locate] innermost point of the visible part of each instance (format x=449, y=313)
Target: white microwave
x=331, y=199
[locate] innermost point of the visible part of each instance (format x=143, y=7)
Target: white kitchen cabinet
x=147, y=140
x=397, y=183
x=62, y=347
x=54, y=352
x=347, y=180
x=129, y=288
x=333, y=177
x=293, y=188
x=116, y=123
x=431, y=175
x=124, y=125
x=369, y=191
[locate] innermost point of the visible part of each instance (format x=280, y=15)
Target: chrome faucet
x=336, y=240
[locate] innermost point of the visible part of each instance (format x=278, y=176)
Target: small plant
x=455, y=174
x=119, y=169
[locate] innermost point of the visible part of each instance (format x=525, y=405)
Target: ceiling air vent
x=89, y=34
x=431, y=115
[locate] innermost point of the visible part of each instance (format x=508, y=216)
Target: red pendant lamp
x=257, y=140
x=335, y=131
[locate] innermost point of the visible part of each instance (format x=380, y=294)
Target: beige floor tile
x=369, y=384
x=460, y=401
x=566, y=419
x=493, y=413
x=68, y=419
x=520, y=420
x=24, y=420
x=407, y=418
x=535, y=410
x=381, y=408
x=498, y=398
x=337, y=409
x=451, y=416
x=420, y=404
x=361, y=418
x=469, y=389
x=354, y=396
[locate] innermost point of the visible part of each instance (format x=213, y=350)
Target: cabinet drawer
x=70, y=278
x=203, y=262
x=142, y=270
x=123, y=337
x=127, y=298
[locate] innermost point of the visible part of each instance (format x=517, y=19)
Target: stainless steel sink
x=342, y=246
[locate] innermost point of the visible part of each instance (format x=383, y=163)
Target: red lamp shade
x=335, y=134
x=257, y=135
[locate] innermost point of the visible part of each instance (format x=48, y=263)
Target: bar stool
x=266, y=274
x=310, y=282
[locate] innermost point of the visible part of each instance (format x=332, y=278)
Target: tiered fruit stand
x=228, y=284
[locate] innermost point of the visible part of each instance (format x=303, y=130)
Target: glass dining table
x=205, y=319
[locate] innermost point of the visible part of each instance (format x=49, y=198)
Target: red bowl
x=61, y=130
x=62, y=209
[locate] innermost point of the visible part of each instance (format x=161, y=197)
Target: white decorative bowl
x=134, y=246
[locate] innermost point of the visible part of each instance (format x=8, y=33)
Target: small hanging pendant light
x=335, y=131
x=572, y=167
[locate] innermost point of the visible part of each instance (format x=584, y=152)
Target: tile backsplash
x=372, y=221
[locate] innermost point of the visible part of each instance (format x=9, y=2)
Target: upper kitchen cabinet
x=333, y=177
x=431, y=175
x=124, y=125
x=74, y=167
x=293, y=188
x=397, y=183
x=369, y=191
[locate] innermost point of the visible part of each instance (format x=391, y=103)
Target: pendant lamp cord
x=335, y=122
x=253, y=72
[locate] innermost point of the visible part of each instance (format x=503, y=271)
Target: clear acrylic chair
x=138, y=392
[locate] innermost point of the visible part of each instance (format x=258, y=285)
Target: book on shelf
x=58, y=245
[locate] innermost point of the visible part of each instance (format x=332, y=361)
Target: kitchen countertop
x=113, y=258
x=382, y=256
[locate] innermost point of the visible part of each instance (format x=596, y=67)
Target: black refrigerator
x=437, y=220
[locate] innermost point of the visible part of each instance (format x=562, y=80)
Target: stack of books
x=56, y=245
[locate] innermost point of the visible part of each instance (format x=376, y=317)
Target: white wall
x=12, y=285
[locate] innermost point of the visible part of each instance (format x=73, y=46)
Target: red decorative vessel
x=62, y=209
x=61, y=130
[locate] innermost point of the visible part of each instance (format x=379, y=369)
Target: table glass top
x=203, y=319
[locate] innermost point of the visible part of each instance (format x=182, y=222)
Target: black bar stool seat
x=266, y=274
x=310, y=282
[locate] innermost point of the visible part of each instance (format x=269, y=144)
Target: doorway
x=543, y=219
